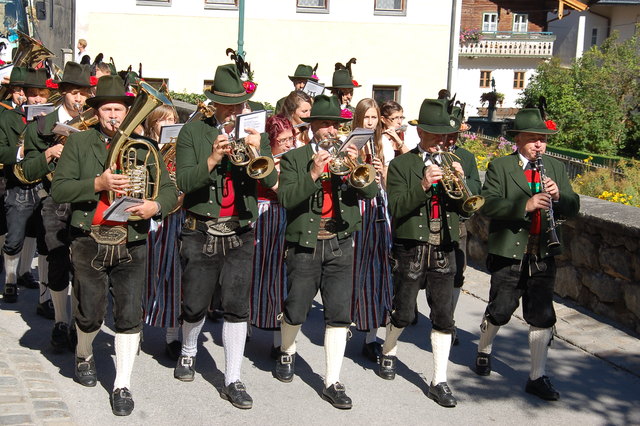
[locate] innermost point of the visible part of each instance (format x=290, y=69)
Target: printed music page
x=252, y=120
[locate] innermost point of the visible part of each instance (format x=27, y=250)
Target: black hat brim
x=96, y=101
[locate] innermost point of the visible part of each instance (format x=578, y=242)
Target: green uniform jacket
x=409, y=203
x=470, y=167
x=35, y=164
x=11, y=127
x=203, y=189
x=302, y=197
x=83, y=159
x=506, y=192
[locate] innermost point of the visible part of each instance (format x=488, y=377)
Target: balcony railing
x=503, y=43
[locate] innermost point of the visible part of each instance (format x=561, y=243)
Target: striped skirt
x=269, y=287
x=372, y=285
x=163, y=293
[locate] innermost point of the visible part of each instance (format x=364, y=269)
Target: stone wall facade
x=600, y=265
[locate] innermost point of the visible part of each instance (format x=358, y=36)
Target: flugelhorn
x=454, y=184
x=340, y=164
x=242, y=154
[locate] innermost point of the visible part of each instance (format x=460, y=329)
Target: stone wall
x=600, y=266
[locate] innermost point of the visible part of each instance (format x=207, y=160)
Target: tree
x=594, y=101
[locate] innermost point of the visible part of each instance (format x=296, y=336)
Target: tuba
x=124, y=148
x=243, y=154
x=454, y=184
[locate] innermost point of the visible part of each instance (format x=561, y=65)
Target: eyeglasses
x=282, y=141
x=400, y=118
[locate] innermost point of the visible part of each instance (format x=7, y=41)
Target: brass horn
x=340, y=164
x=243, y=154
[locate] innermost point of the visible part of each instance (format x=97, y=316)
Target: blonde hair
x=358, y=121
x=156, y=115
x=82, y=42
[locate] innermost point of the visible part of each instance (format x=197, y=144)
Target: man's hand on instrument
x=145, y=210
x=110, y=181
x=54, y=151
x=220, y=148
x=320, y=160
x=458, y=168
x=432, y=174
x=541, y=200
x=352, y=151
x=253, y=138
x=551, y=188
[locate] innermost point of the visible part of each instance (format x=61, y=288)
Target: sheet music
x=313, y=88
x=169, y=133
x=252, y=120
x=32, y=111
x=116, y=211
x=358, y=137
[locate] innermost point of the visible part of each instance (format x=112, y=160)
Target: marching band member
x=521, y=201
x=107, y=255
x=322, y=214
x=42, y=151
x=392, y=142
x=296, y=108
x=217, y=238
x=299, y=79
x=425, y=231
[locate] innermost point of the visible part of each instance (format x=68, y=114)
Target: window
x=518, y=80
x=594, y=36
x=485, y=79
x=386, y=93
x=520, y=22
x=156, y=83
x=489, y=22
x=390, y=7
x=312, y=6
x=153, y=2
x=221, y=4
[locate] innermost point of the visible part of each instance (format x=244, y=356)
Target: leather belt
x=327, y=228
x=109, y=235
x=221, y=227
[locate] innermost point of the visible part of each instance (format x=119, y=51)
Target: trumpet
x=340, y=164
x=454, y=184
x=243, y=154
x=554, y=241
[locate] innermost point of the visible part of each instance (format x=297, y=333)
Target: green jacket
x=506, y=192
x=36, y=142
x=302, y=197
x=83, y=159
x=11, y=127
x=203, y=189
x=409, y=203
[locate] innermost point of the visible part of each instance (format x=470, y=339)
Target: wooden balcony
x=509, y=44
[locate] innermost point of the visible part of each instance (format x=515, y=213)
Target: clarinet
x=380, y=208
x=553, y=235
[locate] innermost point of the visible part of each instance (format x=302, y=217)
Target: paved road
x=36, y=386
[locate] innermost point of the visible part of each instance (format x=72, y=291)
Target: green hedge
x=604, y=160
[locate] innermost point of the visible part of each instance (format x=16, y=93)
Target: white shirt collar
x=63, y=115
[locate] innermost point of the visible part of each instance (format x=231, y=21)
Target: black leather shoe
x=86, y=373
x=285, y=367
x=26, y=280
x=542, y=388
x=46, y=310
x=10, y=294
x=336, y=395
x=173, y=350
x=387, y=368
x=441, y=394
x=236, y=394
x=185, y=368
x=372, y=351
x=275, y=352
x=121, y=402
x=60, y=337
x=483, y=364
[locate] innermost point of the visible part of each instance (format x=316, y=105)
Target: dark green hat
x=75, y=74
x=36, y=79
x=434, y=118
x=110, y=89
x=304, y=71
x=456, y=112
x=17, y=76
x=530, y=120
x=227, y=88
x=342, y=80
x=326, y=108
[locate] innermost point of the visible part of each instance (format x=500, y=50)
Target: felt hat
x=326, y=108
x=434, y=118
x=342, y=80
x=530, y=120
x=304, y=72
x=35, y=79
x=17, y=76
x=110, y=89
x=228, y=88
x=75, y=74
x=456, y=112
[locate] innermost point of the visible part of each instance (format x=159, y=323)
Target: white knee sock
x=234, y=336
x=11, y=267
x=454, y=299
x=441, y=344
x=60, y=301
x=45, y=294
x=488, y=332
x=172, y=334
x=372, y=336
x=26, y=255
x=85, y=344
x=390, y=346
x=190, y=334
x=126, y=351
x=335, y=342
x=289, y=333
x=539, y=346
